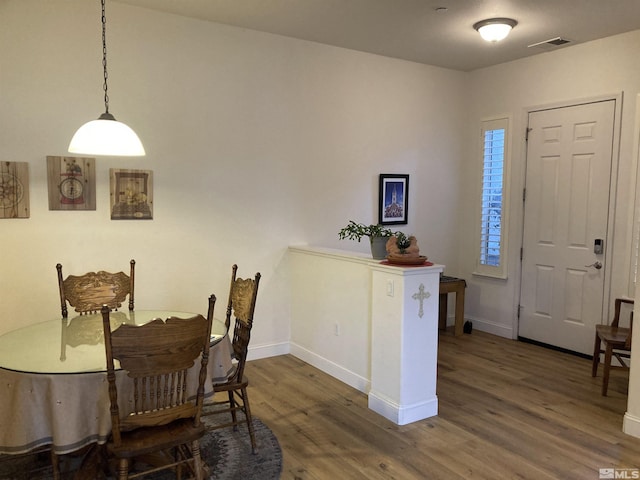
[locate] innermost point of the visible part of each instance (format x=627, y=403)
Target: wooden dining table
x=53, y=381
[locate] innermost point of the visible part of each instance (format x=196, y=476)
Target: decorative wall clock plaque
x=72, y=183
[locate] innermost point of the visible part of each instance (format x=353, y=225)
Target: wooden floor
x=507, y=409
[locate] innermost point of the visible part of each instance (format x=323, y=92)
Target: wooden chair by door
x=89, y=292
x=164, y=424
x=613, y=341
x=241, y=306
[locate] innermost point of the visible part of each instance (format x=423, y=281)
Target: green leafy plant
x=355, y=231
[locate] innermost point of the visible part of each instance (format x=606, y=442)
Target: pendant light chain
x=104, y=57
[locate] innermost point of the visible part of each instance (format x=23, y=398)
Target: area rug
x=226, y=452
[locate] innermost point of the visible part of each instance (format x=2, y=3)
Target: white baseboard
x=264, y=351
x=493, y=328
x=402, y=415
x=352, y=379
x=631, y=425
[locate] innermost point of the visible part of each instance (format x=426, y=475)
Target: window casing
x=492, y=241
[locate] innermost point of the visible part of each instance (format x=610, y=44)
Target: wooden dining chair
x=241, y=306
x=163, y=429
x=612, y=341
x=89, y=292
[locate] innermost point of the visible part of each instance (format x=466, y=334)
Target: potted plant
x=377, y=234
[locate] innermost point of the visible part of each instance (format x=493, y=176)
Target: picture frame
x=71, y=183
x=393, y=199
x=131, y=194
x=14, y=190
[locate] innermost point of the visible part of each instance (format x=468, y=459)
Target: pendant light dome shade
x=495, y=29
x=106, y=136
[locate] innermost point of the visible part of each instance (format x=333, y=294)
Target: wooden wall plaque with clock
x=72, y=183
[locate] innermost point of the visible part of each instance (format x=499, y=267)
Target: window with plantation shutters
x=491, y=253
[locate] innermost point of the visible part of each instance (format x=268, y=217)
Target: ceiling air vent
x=552, y=42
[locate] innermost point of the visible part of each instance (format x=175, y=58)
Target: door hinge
x=521, y=253
x=519, y=308
x=524, y=194
x=526, y=134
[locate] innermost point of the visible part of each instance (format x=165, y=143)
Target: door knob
x=597, y=265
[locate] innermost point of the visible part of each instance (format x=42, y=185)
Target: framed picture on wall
x=14, y=190
x=72, y=183
x=393, y=199
x=131, y=194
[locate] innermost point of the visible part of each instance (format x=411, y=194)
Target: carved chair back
x=240, y=307
x=89, y=292
x=157, y=357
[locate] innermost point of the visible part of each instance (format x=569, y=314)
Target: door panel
x=569, y=157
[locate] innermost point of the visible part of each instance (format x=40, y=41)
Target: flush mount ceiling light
x=106, y=136
x=495, y=29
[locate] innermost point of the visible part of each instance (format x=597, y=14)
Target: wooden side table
x=457, y=286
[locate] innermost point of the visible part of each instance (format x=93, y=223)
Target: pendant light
x=106, y=136
x=495, y=29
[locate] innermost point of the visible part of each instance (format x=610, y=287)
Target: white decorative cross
x=421, y=296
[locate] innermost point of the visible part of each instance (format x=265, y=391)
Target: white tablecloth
x=71, y=410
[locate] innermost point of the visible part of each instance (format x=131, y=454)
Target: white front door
x=569, y=158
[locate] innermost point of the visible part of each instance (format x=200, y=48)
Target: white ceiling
x=414, y=30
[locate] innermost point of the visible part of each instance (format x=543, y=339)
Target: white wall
x=331, y=325
x=255, y=141
x=598, y=68
x=631, y=422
